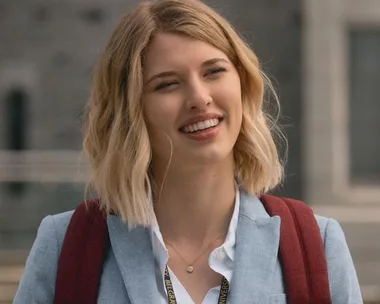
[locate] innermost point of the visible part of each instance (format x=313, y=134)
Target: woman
x=181, y=148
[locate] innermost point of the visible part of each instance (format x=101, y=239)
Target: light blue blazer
x=129, y=269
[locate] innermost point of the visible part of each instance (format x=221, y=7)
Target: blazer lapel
x=257, y=243
x=133, y=252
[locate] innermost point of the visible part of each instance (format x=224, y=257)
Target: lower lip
x=206, y=134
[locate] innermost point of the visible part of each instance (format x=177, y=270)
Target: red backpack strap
x=81, y=259
x=302, y=251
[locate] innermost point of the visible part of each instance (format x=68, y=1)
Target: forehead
x=175, y=51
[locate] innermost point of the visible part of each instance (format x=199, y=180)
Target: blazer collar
x=134, y=255
x=257, y=242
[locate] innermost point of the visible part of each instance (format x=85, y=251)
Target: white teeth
x=201, y=125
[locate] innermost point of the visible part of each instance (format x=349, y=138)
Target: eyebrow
x=172, y=73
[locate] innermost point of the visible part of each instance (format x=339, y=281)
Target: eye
x=165, y=85
x=215, y=71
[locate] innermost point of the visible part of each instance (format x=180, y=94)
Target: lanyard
x=171, y=296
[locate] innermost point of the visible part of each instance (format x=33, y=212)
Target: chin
x=213, y=156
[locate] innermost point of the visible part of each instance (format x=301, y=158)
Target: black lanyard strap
x=223, y=294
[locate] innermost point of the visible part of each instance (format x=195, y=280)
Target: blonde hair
x=116, y=139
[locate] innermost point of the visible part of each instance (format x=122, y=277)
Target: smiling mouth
x=201, y=126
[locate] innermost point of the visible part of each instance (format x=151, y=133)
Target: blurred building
x=322, y=54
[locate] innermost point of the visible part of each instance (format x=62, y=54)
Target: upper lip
x=200, y=118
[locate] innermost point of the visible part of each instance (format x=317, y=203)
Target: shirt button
x=220, y=255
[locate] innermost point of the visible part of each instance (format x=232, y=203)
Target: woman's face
x=192, y=96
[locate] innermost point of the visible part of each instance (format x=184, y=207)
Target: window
x=342, y=102
x=34, y=182
x=16, y=119
x=364, y=105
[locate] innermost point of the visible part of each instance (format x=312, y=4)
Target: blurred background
x=323, y=55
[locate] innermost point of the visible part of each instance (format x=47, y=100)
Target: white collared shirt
x=221, y=260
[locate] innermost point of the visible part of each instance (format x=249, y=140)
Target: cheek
x=231, y=96
x=232, y=102
x=238, y=101
x=232, y=88
x=161, y=113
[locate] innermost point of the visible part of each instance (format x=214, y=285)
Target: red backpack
x=301, y=253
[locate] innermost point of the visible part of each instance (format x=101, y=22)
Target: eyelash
x=215, y=71
x=165, y=85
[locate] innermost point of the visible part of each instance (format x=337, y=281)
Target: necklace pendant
x=190, y=269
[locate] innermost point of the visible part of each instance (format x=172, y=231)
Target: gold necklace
x=190, y=266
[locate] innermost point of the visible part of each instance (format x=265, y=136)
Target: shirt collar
x=230, y=241
x=160, y=251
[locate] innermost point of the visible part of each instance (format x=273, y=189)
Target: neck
x=196, y=206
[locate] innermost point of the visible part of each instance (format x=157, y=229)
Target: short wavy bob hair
x=116, y=139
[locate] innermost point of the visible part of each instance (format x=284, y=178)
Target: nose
x=198, y=97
